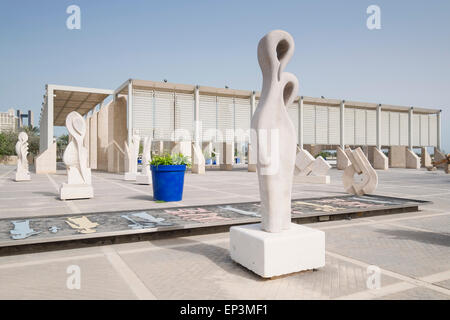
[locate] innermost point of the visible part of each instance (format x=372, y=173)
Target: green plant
x=8, y=141
x=167, y=160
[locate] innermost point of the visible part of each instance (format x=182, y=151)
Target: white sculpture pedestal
x=129, y=176
x=273, y=254
x=22, y=176
x=75, y=191
x=144, y=179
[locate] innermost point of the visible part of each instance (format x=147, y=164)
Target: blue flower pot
x=238, y=160
x=208, y=161
x=168, y=182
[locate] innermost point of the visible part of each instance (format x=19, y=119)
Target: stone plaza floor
x=412, y=250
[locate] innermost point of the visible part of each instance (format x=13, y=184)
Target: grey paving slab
x=418, y=293
x=205, y=271
x=439, y=224
x=98, y=280
x=409, y=252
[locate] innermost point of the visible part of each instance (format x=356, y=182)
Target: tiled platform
x=51, y=229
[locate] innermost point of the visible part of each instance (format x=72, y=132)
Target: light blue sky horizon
x=213, y=43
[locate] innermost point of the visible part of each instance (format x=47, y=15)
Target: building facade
x=214, y=117
x=8, y=121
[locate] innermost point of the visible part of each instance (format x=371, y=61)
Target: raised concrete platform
x=136, y=225
x=274, y=254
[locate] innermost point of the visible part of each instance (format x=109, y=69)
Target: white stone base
x=141, y=179
x=75, y=191
x=20, y=176
x=129, y=176
x=313, y=179
x=274, y=254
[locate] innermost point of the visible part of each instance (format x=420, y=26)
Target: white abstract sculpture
x=22, y=173
x=275, y=133
x=310, y=170
x=145, y=176
x=359, y=164
x=75, y=157
x=132, y=153
x=276, y=246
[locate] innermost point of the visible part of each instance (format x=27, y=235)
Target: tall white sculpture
x=75, y=157
x=359, y=165
x=132, y=153
x=145, y=176
x=275, y=133
x=22, y=173
x=276, y=246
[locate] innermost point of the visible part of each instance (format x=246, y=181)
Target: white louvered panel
x=371, y=127
x=293, y=114
x=321, y=125
x=349, y=130
x=416, y=130
x=309, y=121
x=385, y=128
x=360, y=127
x=404, y=129
x=394, y=121
x=143, y=112
x=164, y=115
x=432, y=125
x=225, y=117
x=184, y=116
x=208, y=116
x=334, y=125
x=242, y=114
x=424, y=130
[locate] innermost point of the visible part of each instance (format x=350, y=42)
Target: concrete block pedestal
x=20, y=176
x=75, y=191
x=274, y=254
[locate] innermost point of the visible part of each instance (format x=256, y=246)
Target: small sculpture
x=132, y=153
x=82, y=225
x=359, y=165
x=22, y=173
x=75, y=157
x=310, y=170
x=145, y=177
x=22, y=230
x=273, y=131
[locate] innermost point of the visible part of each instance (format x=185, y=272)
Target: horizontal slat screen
x=143, y=112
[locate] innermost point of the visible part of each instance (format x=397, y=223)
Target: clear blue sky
x=211, y=42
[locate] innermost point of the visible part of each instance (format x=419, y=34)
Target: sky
x=213, y=43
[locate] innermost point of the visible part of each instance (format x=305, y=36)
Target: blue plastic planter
x=238, y=160
x=208, y=161
x=168, y=182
